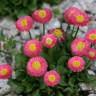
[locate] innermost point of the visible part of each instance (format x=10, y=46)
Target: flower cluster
x=39, y=50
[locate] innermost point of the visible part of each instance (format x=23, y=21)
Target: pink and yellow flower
x=91, y=36
x=80, y=46
x=32, y=48
x=37, y=66
x=91, y=54
x=49, y=40
x=24, y=23
x=75, y=16
x=42, y=15
x=52, y=78
x=76, y=64
x=5, y=71
x=59, y=33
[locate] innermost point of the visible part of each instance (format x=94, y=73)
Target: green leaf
x=21, y=60
x=59, y=94
x=68, y=90
x=71, y=82
x=62, y=60
x=36, y=93
x=16, y=87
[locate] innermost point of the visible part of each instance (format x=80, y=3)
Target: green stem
x=61, y=25
x=88, y=64
x=76, y=32
x=43, y=29
x=67, y=27
x=72, y=31
x=30, y=35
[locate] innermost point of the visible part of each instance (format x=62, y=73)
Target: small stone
x=4, y=90
x=90, y=72
x=34, y=32
x=92, y=95
x=83, y=87
x=8, y=27
x=25, y=35
x=54, y=23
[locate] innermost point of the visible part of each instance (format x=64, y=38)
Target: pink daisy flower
x=37, y=66
x=76, y=64
x=42, y=15
x=49, y=40
x=59, y=33
x=32, y=48
x=5, y=71
x=91, y=36
x=24, y=23
x=80, y=46
x=52, y=78
x=91, y=54
x=75, y=16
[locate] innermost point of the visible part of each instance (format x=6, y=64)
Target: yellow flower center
x=80, y=46
x=49, y=41
x=51, y=78
x=42, y=13
x=79, y=18
x=32, y=47
x=92, y=54
x=24, y=22
x=3, y=71
x=93, y=36
x=36, y=65
x=57, y=33
x=76, y=64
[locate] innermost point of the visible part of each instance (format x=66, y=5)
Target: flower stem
x=43, y=29
x=67, y=27
x=72, y=31
x=76, y=32
x=30, y=35
x=88, y=64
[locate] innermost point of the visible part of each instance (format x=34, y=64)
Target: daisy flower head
x=49, y=40
x=76, y=16
x=5, y=71
x=91, y=54
x=32, y=48
x=80, y=46
x=24, y=23
x=42, y=15
x=91, y=36
x=76, y=64
x=52, y=78
x=59, y=33
x=37, y=66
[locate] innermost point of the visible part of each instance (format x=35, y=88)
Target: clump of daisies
x=56, y=62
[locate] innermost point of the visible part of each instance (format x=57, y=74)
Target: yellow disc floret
x=76, y=64
x=32, y=47
x=57, y=33
x=24, y=22
x=51, y=78
x=79, y=18
x=36, y=65
x=42, y=13
x=93, y=36
x=3, y=71
x=80, y=46
x=49, y=41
